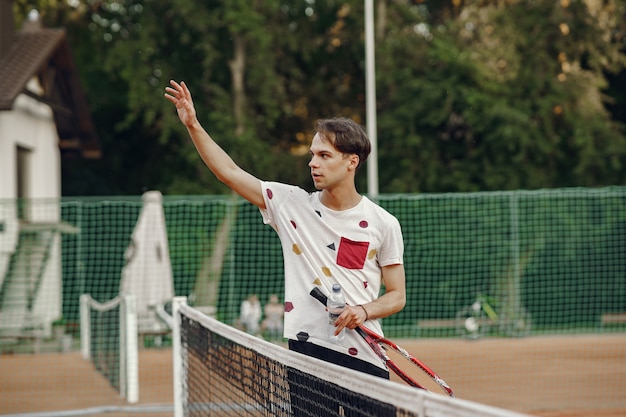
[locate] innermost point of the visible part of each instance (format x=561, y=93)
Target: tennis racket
x=380, y=346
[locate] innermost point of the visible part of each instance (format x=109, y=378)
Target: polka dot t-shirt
x=322, y=247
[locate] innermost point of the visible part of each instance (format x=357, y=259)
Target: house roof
x=45, y=53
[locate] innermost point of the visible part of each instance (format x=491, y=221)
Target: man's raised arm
x=215, y=158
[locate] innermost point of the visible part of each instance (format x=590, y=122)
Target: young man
x=273, y=322
x=331, y=236
x=250, y=315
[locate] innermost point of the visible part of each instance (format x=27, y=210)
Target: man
x=331, y=236
x=273, y=323
x=250, y=315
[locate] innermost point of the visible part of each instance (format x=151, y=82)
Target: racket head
x=381, y=351
x=406, y=366
x=414, y=371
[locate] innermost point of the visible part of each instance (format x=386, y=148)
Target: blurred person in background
x=273, y=322
x=250, y=315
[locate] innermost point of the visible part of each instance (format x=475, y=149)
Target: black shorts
x=337, y=358
x=329, y=400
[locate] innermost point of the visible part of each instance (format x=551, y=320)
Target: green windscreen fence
x=559, y=254
x=556, y=257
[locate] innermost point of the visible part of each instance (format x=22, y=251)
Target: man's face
x=329, y=167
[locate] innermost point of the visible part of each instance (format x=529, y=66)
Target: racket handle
x=319, y=295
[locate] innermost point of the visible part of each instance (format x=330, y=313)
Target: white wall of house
x=30, y=126
x=28, y=134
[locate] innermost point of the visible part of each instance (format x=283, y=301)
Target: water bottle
x=335, y=304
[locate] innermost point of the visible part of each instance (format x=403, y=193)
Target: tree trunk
x=237, y=69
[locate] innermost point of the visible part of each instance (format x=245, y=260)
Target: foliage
x=500, y=98
x=472, y=95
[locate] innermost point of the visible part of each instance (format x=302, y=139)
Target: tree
x=472, y=95
x=503, y=96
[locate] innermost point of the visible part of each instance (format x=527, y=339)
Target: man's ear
x=354, y=161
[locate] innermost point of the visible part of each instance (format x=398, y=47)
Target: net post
x=85, y=326
x=129, y=362
x=179, y=397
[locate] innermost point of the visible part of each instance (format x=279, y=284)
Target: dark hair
x=346, y=136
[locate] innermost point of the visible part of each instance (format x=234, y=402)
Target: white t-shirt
x=322, y=247
x=250, y=315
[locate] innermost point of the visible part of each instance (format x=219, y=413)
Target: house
x=44, y=118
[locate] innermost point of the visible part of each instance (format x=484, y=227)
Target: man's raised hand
x=180, y=96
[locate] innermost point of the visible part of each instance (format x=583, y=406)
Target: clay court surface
x=552, y=376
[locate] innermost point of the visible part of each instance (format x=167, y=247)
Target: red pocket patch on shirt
x=352, y=254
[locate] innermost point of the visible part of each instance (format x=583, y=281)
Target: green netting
x=558, y=256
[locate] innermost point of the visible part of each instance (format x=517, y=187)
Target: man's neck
x=340, y=200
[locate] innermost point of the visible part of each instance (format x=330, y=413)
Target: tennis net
x=109, y=340
x=221, y=371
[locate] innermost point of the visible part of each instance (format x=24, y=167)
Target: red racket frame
x=380, y=344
